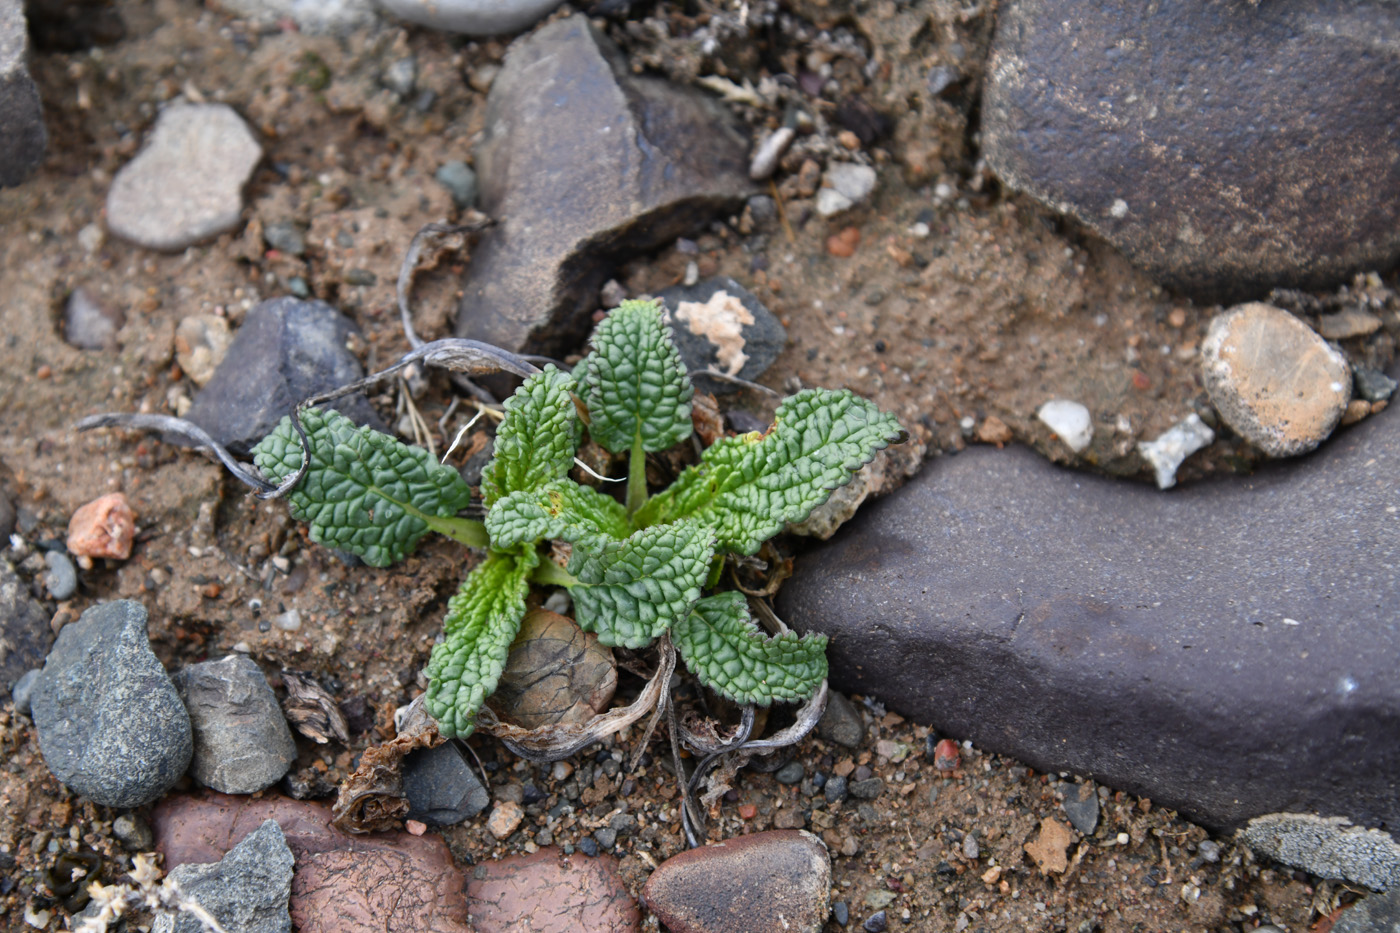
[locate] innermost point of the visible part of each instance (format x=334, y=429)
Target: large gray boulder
x=22, y=135
x=110, y=723
x=1228, y=649
x=1227, y=148
x=584, y=163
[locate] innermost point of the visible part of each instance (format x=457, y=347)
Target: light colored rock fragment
x=1330, y=847
x=1168, y=451
x=721, y=321
x=1070, y=421
x=1273, y=379
x=201, y=340
x=186, y=184
x=313, y=16
x=472, y=17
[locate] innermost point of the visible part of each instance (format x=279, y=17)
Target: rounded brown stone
x=555, y=673
x=774, y=881
x=1273, y=379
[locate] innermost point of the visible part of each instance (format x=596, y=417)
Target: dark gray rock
x=867, y=789
x=1226, y=148
x=1378, y=913
x=7, y=518
x=287, y=350
x=731, y=332
x=133, y=832
x=242, y=743
x=25, y=635
x=89, y=323
x=22, y=135
x=247, y=890
x=585, y=164
x=110, y=723
x=285, y=236
x=24, y=691
x=186, y=183
x=1372, y=384
x=1182, y=646
x=441, y=788
x=841, y=722
x=837, y=789
x=790, y=773
x=1081, y=805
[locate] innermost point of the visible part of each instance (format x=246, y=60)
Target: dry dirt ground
x=960, y=301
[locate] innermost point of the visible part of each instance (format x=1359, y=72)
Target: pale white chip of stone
x=186, y=185
x=472, y=17
x=1069, y=420
x=831, y=202
x=313, y=16
x=854, y=181
x=1180, y=441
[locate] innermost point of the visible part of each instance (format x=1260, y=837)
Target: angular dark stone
x=242, y=743
x=441, y=788
x=25, y=635
x=110, y=723
x=773, y=881
x=1081, y=806
x=1227, y=649
x=1226, y=148
x=841, y=722
x=287, y=350
x=706, y=338
x=248, y=889
x=585, y=164
x=23, y=138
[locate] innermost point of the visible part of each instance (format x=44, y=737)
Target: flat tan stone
x=1273, y=379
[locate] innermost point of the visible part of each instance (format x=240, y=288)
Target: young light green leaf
x=723, y=647
x=748, y=487
x=364, y=492
x=631, y=591
x=562, y=510
x=634, y=382
x=482, y=621
x=535, y=443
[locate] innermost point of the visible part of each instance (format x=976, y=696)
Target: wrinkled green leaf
x=364, y=492
x=563, y=510
x=723, y=647
x=631, y=591
x=482, y=620
x=535, y=443
x=634, y=382
x=748, y=487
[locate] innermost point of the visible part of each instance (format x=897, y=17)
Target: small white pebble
x=1069, y=420
x=1119, y=208
x=919, y=230
x=1122, y=839
x=289, y=621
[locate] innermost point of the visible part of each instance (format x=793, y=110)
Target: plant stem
x=466, y=531
x=636, y=477
x=548, y=573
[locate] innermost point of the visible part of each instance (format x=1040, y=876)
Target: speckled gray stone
x=1378, y=913
x=1227, y=148
x=22, y=135
x=242, y=743
x=247, y=890
x=1227, y=649
x=110, y=723
x=1329, y=848
x=472, y=17
x=186, y=183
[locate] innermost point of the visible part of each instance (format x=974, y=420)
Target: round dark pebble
x=532, y=794
x=607, y=838
x=875, y=923
x=862, y=773
x=835, y=789
x=841, y=913
x=930, y=746
x=587, y=846
x=790, y=773
x=819, y=780
x=945, y=869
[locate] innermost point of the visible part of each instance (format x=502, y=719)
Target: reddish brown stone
x=372, y=883
x=774, y=881
x=104, y=527
x=546, y=893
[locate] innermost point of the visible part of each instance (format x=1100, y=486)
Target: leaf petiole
x=548, y=573
x=466, y=531
x=636, y=476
